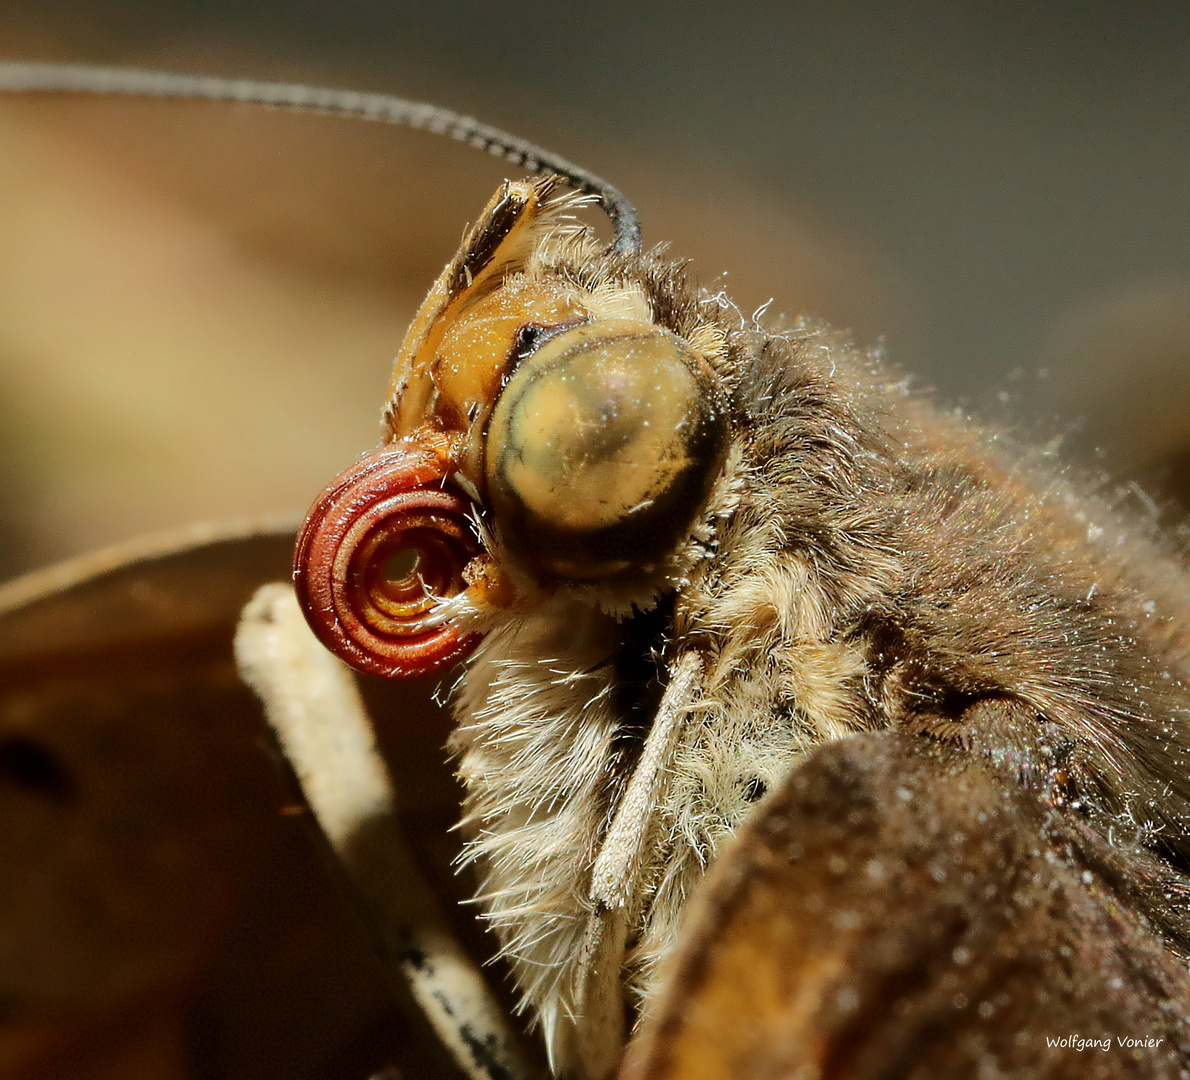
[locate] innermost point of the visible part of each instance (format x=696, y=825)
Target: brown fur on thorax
x=965, y=573
x=865, y=563
x=962, y=567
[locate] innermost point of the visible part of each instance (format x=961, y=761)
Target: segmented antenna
x=36, y=78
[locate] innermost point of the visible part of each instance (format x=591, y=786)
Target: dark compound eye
x=602, y=449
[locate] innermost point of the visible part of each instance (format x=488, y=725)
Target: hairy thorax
x=551, y=720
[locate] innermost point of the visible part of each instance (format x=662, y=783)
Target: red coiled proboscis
x=379, y=547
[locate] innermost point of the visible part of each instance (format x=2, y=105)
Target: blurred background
x=199, y=305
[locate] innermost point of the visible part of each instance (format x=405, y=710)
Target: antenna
x=17, y=77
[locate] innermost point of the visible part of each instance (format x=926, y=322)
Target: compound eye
x=602, y=449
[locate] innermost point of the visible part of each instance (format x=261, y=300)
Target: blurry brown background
x=199, y=305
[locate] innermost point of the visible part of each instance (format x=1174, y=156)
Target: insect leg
x=623, y=859
x=314, y=707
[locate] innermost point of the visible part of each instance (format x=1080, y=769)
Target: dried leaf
x=163, y=909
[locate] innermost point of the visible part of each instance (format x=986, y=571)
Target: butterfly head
x=547, y=429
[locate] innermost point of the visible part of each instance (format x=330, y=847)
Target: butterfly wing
x=901, y=909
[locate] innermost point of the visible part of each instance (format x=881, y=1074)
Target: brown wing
x=900, y=909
